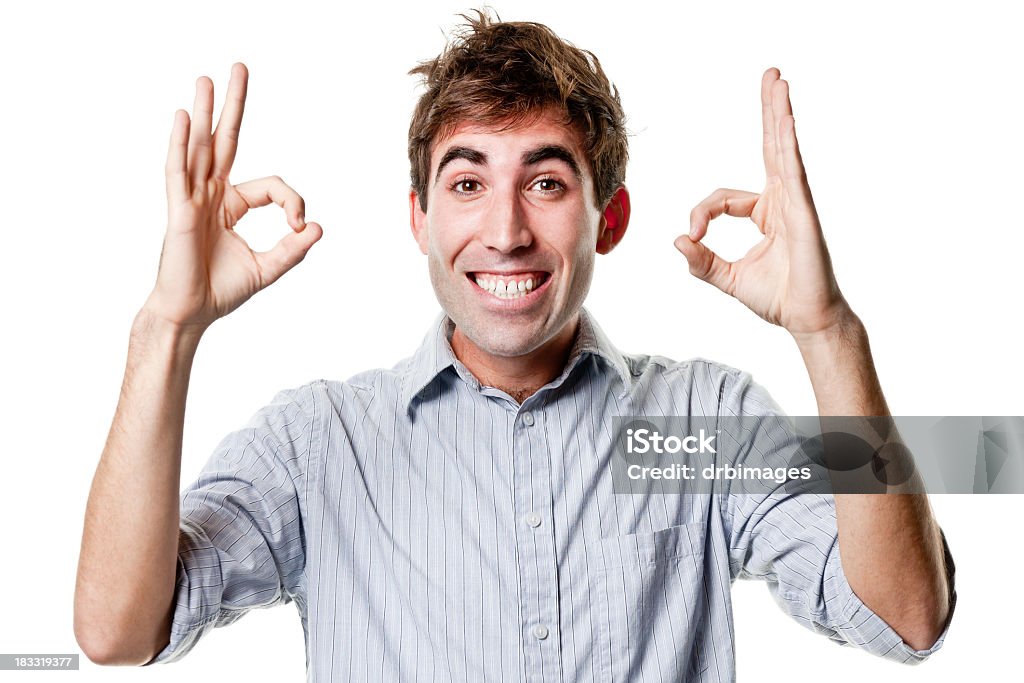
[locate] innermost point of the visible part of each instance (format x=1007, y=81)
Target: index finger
x=263, y=191
x=738, y=203
x=225, y=138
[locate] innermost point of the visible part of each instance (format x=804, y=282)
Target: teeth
x=505, y=289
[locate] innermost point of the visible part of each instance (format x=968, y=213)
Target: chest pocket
x=649, y=597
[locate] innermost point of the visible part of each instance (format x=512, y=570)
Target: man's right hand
x=126, y=587
x=206, y=269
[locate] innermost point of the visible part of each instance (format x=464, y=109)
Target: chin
x=500, y=341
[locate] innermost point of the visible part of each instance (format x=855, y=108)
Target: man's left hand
x=787, y=277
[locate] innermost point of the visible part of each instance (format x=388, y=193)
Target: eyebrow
x=529, y=158
x=553, y=152
x=471, y=155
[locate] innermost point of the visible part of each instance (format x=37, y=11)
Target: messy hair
x=508, y=74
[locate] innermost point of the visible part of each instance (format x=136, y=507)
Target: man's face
x=510, y=232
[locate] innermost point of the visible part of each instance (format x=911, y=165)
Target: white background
x=909, y=121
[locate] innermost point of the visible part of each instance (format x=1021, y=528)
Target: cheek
x=582, y=241
x=578, y=261
x=583, y=269
x=451, y=226
x=579, y=246
x=446, y=244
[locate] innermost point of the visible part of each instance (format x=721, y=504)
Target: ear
x=418, y=221
x=614, y=221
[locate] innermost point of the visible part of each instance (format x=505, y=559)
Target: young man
x=454, y=517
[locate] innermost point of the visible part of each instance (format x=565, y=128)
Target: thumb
x=706, y=264
x=288, y=252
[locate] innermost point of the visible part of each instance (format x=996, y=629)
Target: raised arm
x=890, y=545
x=126, y=573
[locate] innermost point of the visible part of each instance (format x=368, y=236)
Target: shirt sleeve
x=241, y=542
x=790, y=539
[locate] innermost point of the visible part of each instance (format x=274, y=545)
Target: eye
x=548, y=186
x=465, y=186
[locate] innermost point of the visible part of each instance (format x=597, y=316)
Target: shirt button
x=528, y=419
x=540, y=631
x=533, y=519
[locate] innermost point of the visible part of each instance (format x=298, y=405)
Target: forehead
x=545, y=129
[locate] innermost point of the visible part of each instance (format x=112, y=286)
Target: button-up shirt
x=430, y=528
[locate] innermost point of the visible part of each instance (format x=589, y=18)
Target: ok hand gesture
x=786, y=278
x=206, y=269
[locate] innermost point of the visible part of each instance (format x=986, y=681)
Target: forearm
x=889, y=545
x=126, y=572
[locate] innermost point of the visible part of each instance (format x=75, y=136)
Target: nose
x=505, y=226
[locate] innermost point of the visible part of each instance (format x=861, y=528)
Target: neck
x=518, y=376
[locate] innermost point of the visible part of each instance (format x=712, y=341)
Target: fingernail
x=693, y=232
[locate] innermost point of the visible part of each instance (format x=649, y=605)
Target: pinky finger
x=176, y=169
x=287, y=253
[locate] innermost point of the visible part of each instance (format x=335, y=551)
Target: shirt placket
x=535, y=543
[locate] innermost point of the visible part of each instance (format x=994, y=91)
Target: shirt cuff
x=194, y=615
x=863, y=628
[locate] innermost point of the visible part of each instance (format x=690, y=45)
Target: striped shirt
x=429, y=528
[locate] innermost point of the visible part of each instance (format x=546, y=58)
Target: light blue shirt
x=428, y=528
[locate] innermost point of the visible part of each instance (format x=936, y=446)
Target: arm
x=126, y=571
x=124, y=595
x=890, y=545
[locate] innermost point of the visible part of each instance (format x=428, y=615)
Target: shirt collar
x=591, y=339
x=435, y=355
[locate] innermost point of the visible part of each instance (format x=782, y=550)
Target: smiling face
x=510, y=232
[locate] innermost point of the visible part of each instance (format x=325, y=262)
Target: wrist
x=845, y=331
x=149, y=327
x=841, y=369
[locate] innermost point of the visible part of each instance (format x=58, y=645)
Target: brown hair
x=509, y=73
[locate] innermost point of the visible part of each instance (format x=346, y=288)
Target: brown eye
x=548, y=185
x=466, y=186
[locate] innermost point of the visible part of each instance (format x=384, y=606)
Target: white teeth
x=505, y=289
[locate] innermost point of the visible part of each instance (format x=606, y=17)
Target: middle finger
x=225, y=138
x=199, y=139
